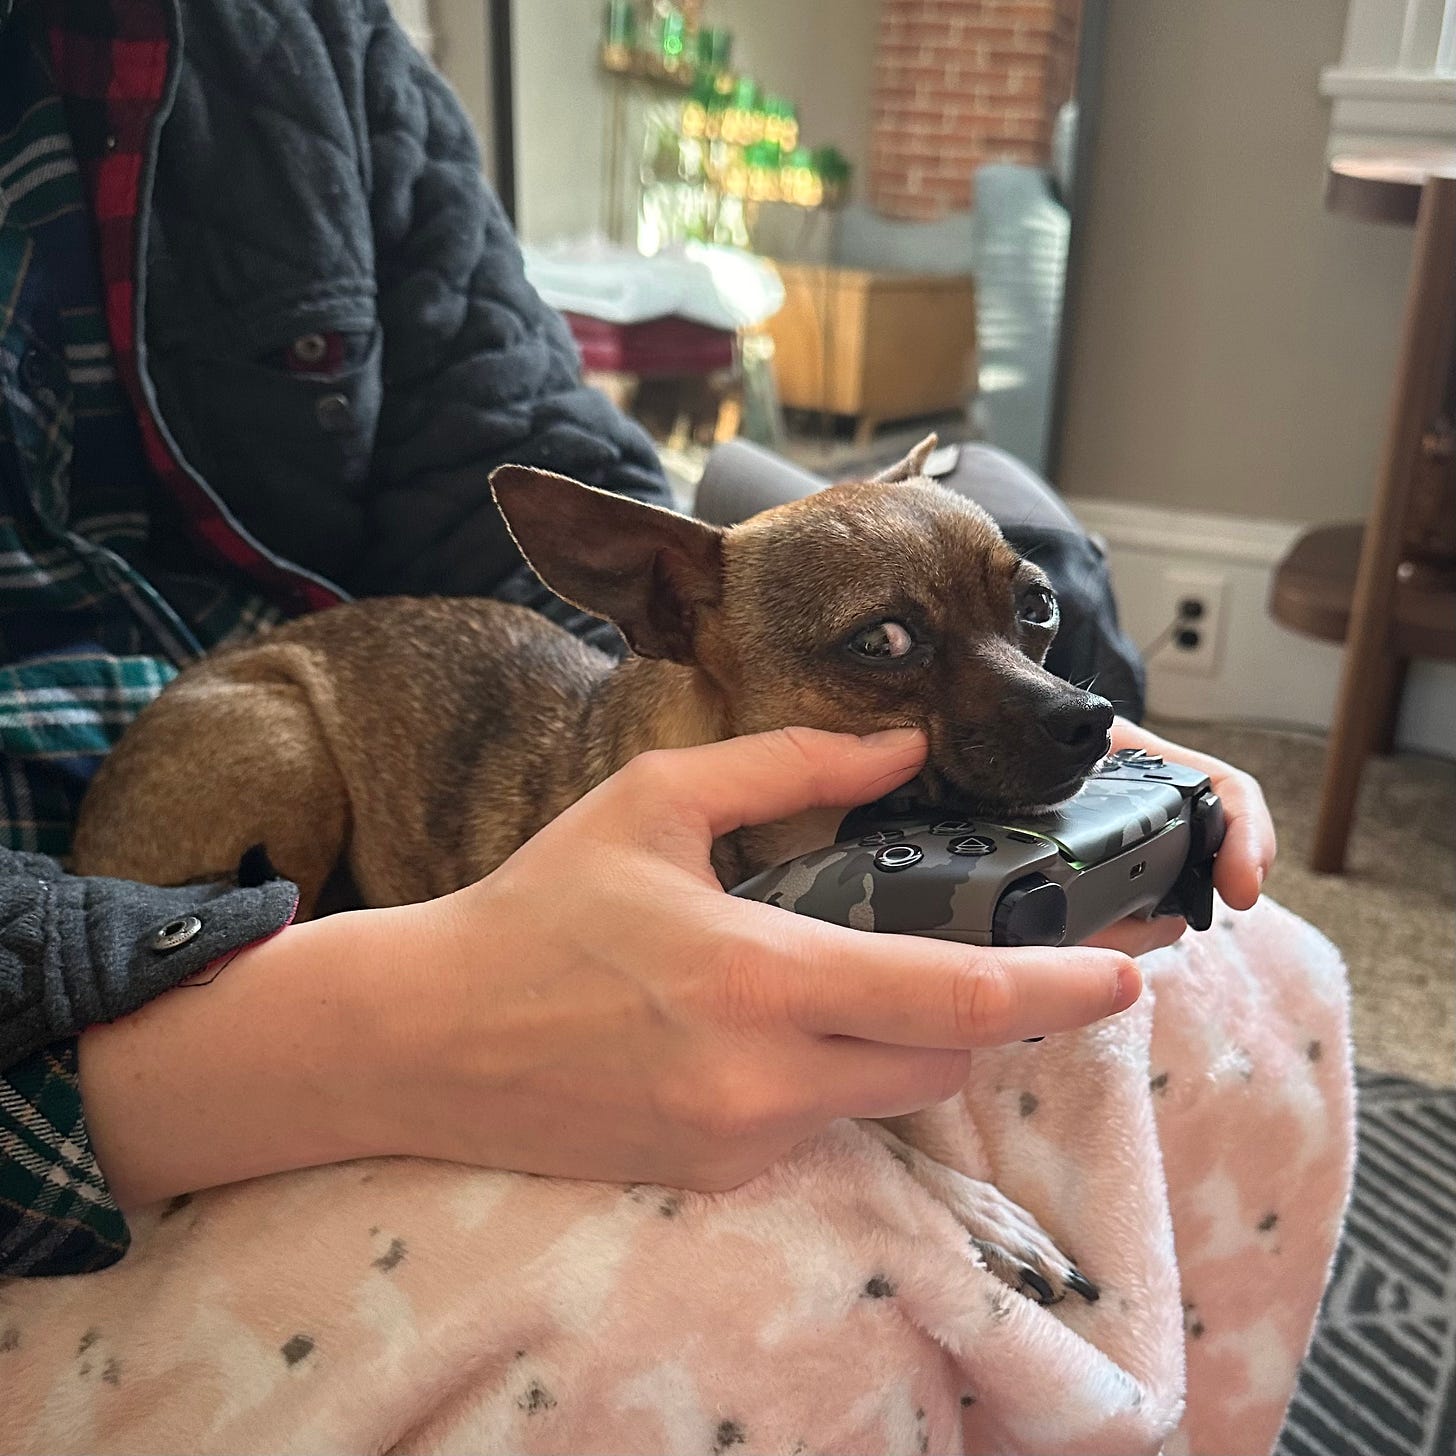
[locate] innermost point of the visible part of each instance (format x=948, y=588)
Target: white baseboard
x=1264, y=673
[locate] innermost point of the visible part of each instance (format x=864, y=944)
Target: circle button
x=898, y=857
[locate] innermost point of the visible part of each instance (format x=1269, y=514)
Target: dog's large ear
x=912, y=466
x=652, y=572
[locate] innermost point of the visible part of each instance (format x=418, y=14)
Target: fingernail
x=1259, y=874
x=893, y=738
x=1129, y=987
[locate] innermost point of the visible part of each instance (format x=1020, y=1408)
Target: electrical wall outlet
x=1195, y=599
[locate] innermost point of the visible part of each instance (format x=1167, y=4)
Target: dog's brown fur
x=417, y=743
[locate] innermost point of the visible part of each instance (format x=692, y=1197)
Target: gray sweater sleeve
x=75, y=951
x=479, y=370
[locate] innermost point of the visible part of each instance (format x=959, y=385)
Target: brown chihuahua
x=414, y=744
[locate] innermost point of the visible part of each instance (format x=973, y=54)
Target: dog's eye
x=882, y=642
x=1037, y=607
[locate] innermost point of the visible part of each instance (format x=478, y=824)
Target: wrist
x=387, y=1039
x=261, y=1068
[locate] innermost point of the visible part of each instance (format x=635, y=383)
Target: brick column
x=959, y=82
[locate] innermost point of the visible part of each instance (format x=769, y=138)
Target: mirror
x=828, y=226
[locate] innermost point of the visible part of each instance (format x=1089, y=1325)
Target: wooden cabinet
x=877, y=346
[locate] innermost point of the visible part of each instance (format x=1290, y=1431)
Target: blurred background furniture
x=985, y=285
x=668, y=338
x=1388, y=588
x=874, y=345
x=681, y=373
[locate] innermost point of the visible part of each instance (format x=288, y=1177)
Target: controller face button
x=1032, y=912
x=898, y=857
x=973, y=844
x=952, y=826
x=879, y=837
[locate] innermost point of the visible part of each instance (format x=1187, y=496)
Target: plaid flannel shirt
x=92, y=623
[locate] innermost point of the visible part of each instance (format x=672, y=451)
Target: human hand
x=1244, y=860
x=598, y=1007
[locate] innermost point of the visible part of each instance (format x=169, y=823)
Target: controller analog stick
x=1033, y=911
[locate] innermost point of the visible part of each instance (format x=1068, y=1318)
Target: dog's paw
x=1010, y=1242
x=1015, y=1248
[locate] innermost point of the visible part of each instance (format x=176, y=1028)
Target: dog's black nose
x=1078, y=725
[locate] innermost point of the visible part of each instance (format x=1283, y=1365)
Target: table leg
x=1425, y=353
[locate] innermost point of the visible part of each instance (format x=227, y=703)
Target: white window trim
x=1395, y=83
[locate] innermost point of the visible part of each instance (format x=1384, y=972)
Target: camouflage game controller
x=1138, y=839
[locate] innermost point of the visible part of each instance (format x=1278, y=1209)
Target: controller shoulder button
x=1206, y=827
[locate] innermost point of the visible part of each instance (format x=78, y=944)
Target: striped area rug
x=1380, y=1379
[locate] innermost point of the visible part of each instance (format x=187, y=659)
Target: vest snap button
x=334, y=412
x=175, y=933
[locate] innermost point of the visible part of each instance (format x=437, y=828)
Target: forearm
x=266, y=1066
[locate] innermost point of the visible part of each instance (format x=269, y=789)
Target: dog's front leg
x=1012, y=1244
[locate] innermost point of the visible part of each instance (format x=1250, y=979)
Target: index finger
x=914, y=991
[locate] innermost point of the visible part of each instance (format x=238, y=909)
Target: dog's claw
x=1043, y=1291
x=1078, y=1281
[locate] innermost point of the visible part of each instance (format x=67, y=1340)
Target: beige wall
x=818, y=52
x=1232, y=345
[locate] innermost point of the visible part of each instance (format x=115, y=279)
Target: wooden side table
x=877, y=346
x=1388, y=589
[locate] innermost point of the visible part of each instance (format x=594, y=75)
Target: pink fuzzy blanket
x=1193, y=1154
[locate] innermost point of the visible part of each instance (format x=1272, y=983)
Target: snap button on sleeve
x=175, y=933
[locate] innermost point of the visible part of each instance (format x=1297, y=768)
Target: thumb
x=767, y=776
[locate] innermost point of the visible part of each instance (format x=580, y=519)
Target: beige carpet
x=1393, y=914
